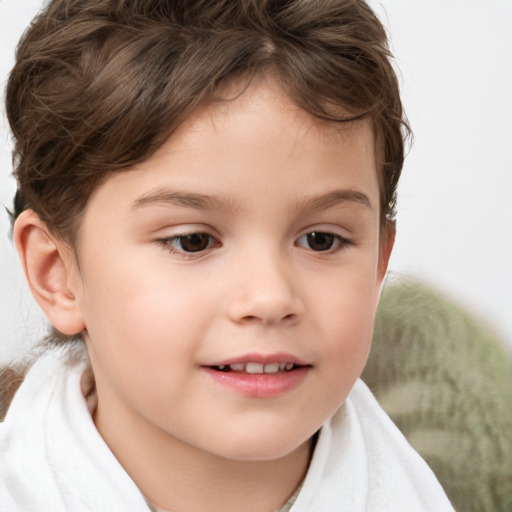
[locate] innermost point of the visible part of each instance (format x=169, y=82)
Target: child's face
x=251, y=237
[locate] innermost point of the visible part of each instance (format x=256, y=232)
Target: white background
x=455, y=203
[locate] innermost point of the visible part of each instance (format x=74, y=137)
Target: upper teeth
x=257, y=367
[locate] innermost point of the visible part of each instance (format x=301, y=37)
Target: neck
x=226, y=486
x=177, y=477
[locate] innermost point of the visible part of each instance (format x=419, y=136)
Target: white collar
x=53, y=458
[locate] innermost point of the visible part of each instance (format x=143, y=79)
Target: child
x=205, y=211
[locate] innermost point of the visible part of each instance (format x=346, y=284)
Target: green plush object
x=446, y=382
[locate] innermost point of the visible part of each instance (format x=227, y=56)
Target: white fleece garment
x=52, y=458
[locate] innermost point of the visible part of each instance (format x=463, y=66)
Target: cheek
x=346, y=319
x=146, y=327
x=125, y=314
x=139, y=343
x=139, y=318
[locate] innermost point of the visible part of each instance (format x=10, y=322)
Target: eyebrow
x=185, y=200
x=335, y=197
x=206, y=202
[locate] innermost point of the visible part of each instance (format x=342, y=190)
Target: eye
x=191, y=243
x=322, y=241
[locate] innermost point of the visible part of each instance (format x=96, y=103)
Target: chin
x=261, y=449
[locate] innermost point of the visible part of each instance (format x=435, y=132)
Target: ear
x=51, y=271
x=387, y=241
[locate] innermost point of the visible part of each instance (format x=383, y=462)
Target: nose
x=264, y=291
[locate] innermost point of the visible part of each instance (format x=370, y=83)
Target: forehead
x=260, y=140
x=261, y=117
x=264, y=105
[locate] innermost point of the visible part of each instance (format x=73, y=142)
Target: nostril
x=265, y=308
x=271, y=320
x=253, y=318
x=289, y=317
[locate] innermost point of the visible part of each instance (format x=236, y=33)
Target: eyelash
x=169, y=243
x=337, y=242
x=332, y=241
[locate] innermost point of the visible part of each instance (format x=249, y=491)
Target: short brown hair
x=99, y=85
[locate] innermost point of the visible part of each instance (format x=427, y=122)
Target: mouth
x=253, y=368
x=258, y=375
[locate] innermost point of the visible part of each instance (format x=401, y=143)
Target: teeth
x=255, y=368
x=271, y=368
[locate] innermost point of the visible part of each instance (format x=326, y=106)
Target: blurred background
x=455, y=203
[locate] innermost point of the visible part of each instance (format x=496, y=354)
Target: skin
x=255, y=175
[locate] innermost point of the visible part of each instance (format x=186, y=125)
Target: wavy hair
x=100, y=85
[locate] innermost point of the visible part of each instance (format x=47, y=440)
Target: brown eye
x=322, y=241
x=192, y=243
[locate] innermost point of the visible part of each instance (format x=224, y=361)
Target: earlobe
x=47, y=264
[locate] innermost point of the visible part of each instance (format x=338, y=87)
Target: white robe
x=53, y=459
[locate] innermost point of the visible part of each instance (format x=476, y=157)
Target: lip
x=259, y=385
